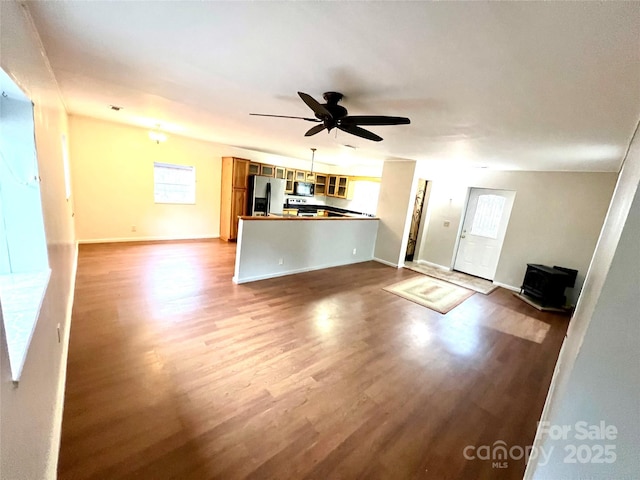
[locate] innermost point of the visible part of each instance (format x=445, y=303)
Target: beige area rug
x=431, y=293
x=479, y=285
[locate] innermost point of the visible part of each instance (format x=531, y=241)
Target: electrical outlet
x=281, y=261
x=133, y=228
x=354, y=251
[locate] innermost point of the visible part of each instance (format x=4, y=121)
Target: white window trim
x=188, y=168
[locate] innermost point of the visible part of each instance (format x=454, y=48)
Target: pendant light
x=310, y=174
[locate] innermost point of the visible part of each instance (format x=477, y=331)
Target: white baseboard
x=56, y=434
x=145, y=239
x=385, y=262
x=508, y=287
x=292, y=272
x=434, y=265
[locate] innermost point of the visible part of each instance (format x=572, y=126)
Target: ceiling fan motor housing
x=337, y=111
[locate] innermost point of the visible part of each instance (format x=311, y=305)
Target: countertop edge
x=244, y=217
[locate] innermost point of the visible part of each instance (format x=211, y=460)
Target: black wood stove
x=546, y=285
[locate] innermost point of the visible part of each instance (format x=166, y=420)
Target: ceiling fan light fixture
x=157, y=136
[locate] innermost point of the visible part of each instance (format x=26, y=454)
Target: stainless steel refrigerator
x=266, y=195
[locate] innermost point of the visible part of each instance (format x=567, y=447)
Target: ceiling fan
x=330, y=115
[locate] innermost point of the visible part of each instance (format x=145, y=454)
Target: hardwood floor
x=175, y=372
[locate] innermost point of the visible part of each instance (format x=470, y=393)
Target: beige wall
x=31, y=411
x=395, y=204
x=596, y=377
x=556, y=218
x=112, y=171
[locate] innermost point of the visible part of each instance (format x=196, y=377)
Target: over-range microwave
x=303, y=189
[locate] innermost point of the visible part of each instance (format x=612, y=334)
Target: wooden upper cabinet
x=267, y=170
x=240, y=172
x=254, y=168
x=289, y=176
x=343, y=185
x=280, y=172
x=321, y=184
x=301, y=176
x=332, y=185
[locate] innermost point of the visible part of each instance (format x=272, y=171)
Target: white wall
x=395, y=206
x=596, y=378
x=31, y=411
x=556, y=218
x=364, y=197
x=303, y=245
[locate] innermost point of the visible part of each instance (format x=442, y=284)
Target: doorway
x=416, y=218
x=483, y=230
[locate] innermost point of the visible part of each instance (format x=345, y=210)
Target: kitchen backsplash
x=365, y=199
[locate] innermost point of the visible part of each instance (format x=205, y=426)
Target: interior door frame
x=424, y=221
x=463, y=217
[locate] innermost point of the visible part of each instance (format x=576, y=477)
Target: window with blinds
x=174, y=183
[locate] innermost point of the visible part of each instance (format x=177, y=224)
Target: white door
x=483, y=230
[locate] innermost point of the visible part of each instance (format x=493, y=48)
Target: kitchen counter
x=328, y=210
x=274, y=246
x=295, y=217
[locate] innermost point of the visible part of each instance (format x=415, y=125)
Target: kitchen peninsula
x=274, y=246
x=331, y=194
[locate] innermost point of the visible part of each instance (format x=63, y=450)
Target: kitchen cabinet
x=301, y=175
x=289, y=176
x=343, y=185
x=233, y=195
x=321, y=184
x=267, y=170
x=280, y=172
x=289, y=212
x=332, y=185
x=238, y=208
x=254, y=168
x=337, y=186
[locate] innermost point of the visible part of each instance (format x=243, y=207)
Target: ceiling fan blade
x=360, y=132
x=285, y=116
x=374, y=120
x=314, y=130
x=314, y=105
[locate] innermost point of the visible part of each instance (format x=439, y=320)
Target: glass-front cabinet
x=343, y=183
x=280, y=172
x=254, y=168
x=332, y=186
x=321, y=184
x=267, y=170
x=289, y=176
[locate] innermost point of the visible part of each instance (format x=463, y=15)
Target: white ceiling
x=533, y=86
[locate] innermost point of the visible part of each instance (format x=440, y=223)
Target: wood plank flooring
x=174, y=372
